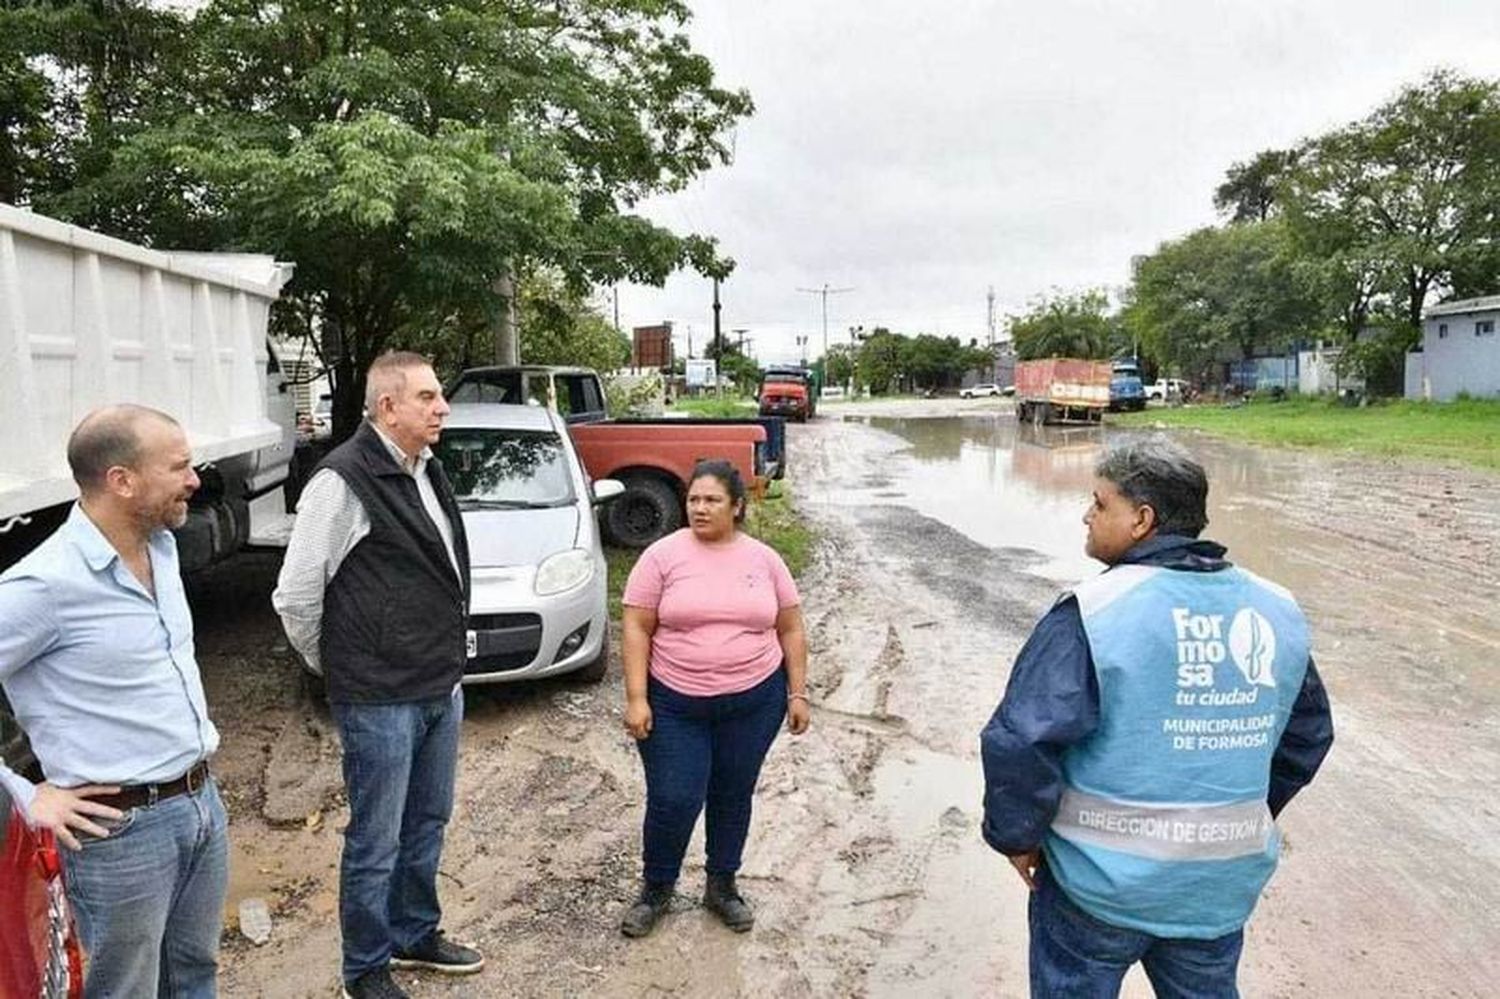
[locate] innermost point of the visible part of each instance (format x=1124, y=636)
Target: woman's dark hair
x=729, y=478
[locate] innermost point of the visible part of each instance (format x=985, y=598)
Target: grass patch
x=722, y=407
x=1466, y=431
x=774, y=520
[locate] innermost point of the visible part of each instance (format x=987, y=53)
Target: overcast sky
x=923, y=151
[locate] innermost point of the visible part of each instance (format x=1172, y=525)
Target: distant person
x=374, y=592
x=97, y=659
x=715, y=657
x=1156, y=722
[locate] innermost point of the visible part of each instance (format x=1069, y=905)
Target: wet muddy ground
x=947, y=531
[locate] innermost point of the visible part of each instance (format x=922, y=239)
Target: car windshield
x=493, y=468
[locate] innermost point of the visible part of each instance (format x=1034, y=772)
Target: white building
x=1460, y=351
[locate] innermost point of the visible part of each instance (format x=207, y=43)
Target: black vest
x=394, y=615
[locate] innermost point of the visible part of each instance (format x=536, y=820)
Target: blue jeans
x=705, y=751
x=1075, y=955
x=149, y=898
x=399, y=764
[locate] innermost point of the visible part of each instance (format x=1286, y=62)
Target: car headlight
x=564, y=571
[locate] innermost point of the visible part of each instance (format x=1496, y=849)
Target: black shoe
x=723, y=899
x=377, y=984
x=648, y=907
x=438, y=953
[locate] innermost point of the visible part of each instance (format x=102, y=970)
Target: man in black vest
x=374, y=593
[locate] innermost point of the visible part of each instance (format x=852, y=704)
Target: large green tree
x=1066, y=325
x=408, y=155
x=1405, y=203
x=75, y=79
x=1238, y=289
x=1252, y=190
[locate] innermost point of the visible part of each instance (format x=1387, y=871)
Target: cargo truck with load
x=1062, y=390
x=86, y=320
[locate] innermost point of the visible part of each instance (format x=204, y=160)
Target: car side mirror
x=606, y=490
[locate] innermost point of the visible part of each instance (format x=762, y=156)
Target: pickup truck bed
x=653, y=458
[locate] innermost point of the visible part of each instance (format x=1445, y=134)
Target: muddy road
x=947, y=531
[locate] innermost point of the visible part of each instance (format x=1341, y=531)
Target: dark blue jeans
x=399, y=763
x=1076, y=956
x=705, y=751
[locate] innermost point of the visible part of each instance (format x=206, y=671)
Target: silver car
x=539, y=589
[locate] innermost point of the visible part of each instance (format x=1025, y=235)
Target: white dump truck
x=87, y=320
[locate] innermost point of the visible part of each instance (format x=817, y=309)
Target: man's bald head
x=108, y=437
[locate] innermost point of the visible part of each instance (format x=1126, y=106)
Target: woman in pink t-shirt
x=715, y=657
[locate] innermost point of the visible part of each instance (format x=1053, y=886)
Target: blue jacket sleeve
x=1305, y=741
x=1050, y=703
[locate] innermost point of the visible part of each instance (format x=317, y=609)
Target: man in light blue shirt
x=97, y=660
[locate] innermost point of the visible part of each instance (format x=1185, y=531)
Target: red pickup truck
x=653, y=458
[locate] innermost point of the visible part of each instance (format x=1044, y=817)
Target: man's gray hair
x=1158, y=473
x=387, y=376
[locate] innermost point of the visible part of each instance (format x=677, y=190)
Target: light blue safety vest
x=1163, y=826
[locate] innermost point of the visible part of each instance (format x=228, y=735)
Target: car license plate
x=471, y=643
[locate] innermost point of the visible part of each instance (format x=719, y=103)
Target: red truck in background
x=1062, y=390
x=653, y=458
x=789, y=392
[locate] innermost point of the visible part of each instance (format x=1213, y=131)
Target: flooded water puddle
x=1364, y=551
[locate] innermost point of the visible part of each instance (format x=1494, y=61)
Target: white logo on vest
x=1252, y=646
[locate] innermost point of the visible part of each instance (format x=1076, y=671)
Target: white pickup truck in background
x=87, y=320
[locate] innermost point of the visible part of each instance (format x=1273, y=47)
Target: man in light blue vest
x=1157, y=720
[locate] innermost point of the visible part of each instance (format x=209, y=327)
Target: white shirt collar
x=412, y=465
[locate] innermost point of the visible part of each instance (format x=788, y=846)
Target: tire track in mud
x=907, y=619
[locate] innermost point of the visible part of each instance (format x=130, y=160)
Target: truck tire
x=647, y=510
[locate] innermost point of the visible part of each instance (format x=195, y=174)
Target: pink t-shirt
x=716, y=608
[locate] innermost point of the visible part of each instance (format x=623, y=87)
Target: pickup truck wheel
x=647, y=510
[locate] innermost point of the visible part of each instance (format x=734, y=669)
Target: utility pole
x=503, y=322
x=825, y=291
x=990, y=322
x=718, y=333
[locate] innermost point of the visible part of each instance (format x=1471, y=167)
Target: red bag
x=39, y=953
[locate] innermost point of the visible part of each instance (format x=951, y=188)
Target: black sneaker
x=438, y=953
x=377, y=984
x=642, y=916
x=723, y=899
